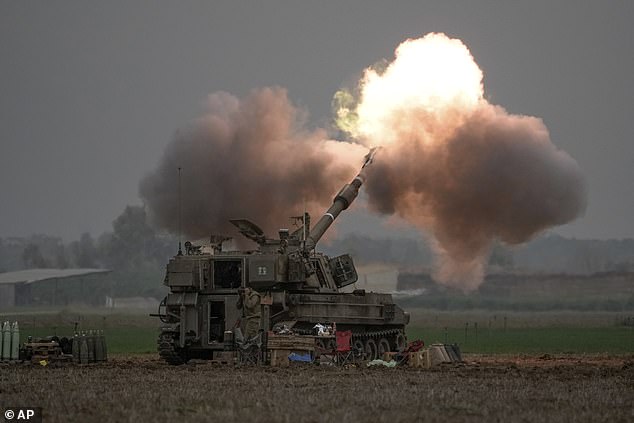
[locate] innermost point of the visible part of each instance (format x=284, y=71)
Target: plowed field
x=493, y=388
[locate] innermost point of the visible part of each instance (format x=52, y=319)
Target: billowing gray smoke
x=451, y=163
x=247, y=158
x=495, y=177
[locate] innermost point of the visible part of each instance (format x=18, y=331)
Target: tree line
x=134, y=251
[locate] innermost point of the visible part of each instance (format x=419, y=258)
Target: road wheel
x=400, y=343
x=371, y=350
x=383, y=347
x=359, y=349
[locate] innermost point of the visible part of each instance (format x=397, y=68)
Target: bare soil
x=485, y=388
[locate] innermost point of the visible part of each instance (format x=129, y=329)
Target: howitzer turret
x=299, y=288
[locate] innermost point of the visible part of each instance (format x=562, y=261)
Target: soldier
x=249, y=302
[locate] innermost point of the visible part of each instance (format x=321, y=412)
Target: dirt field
x=505, y=389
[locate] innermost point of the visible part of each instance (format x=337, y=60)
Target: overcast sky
x=91, y=92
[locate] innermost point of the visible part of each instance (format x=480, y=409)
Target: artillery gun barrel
x=342, y=201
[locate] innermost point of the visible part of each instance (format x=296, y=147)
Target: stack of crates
x=281, y=346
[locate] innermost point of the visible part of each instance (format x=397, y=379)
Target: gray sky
x=91, y=92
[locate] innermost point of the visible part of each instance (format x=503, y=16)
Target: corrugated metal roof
x=36, y=275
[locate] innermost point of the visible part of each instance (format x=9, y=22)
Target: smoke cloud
x=496, y=177
x=459, y=168
x=455, y=165
x=247, y=158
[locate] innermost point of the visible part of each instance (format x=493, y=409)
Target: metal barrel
x=76, y=346
x=342, y=201
x=83, y=349
x=98, y=346
x=6, y=341
x=91, y=346
x=15, y=341
x=105, y=346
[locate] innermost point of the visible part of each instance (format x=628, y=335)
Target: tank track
x=372, y=345
x=364, y=335
x=167, y=350
x=376, y=335
x=395, y=337
x=396, y=340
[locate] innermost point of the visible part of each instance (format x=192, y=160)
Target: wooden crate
x=279, y=358
x=419, y=359
x=290, y=342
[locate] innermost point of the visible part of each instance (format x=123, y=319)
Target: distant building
x=16, y=288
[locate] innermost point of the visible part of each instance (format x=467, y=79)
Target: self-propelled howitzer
x=298, y=288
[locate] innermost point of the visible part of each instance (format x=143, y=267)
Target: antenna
x=180, y=250
x=304, y=221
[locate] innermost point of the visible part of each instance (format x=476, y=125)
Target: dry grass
x=508, y=389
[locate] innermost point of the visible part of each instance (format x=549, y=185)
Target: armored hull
x=201, y=313
x=297, y=288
